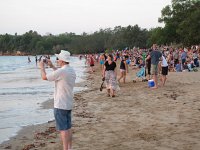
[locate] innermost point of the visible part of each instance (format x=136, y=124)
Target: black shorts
x=149, y=70
x=91, y=65
x=165, y=71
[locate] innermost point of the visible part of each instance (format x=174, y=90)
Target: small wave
x=22, y=79
x=24, y=93
x=26, y=90
x=2, y=128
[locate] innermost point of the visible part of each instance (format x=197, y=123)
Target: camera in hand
x=45, y=60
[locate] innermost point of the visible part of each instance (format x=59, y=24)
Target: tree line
x=181, y=19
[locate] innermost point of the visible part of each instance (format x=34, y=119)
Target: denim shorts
x=63, y=119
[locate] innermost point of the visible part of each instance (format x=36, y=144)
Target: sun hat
x=64, y=56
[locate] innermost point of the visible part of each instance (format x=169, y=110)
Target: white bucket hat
x=64, y=56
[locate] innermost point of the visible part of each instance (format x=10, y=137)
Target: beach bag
x=101, y=87
x=195, y=69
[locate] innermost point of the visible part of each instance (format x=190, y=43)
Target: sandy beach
x=138, y=118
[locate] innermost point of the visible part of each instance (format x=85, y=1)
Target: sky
x=77, y=16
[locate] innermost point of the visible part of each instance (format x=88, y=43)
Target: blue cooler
x=151, y=83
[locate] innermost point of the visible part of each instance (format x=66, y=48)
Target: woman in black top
x=123, y=70
x=110, y=75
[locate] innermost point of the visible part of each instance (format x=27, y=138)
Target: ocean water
x=22, y=91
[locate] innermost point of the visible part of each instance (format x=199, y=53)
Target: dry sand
x=138, y=118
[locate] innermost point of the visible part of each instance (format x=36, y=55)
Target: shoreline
x=41, y=127
x=137, y=118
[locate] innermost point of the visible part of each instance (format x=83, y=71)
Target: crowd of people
x=153, y=62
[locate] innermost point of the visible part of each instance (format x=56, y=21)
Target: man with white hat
x=64, y=78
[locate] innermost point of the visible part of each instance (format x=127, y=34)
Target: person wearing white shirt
x=164, y=66
x=64, y=79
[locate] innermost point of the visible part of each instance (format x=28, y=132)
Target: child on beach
x=164, y=73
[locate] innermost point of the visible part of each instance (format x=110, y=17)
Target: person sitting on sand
x=178, y=67
x=184, y=56
x=110, y=75
x=195, y=58
x=185, y=66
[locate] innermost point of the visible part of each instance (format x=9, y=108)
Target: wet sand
x=138, y=118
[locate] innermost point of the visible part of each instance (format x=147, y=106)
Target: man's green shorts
x=154, y=69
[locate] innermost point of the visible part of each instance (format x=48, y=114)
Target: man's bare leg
x=65, y=139
x=70, y=139
x=155, y=78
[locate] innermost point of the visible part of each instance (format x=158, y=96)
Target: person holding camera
x=64, y=79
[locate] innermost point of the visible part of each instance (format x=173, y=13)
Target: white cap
x=64, y=56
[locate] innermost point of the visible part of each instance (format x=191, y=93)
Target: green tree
x=181, y=21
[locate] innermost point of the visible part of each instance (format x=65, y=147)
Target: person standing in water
x=36, y=60
x=29, y=59
x=91, y=62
